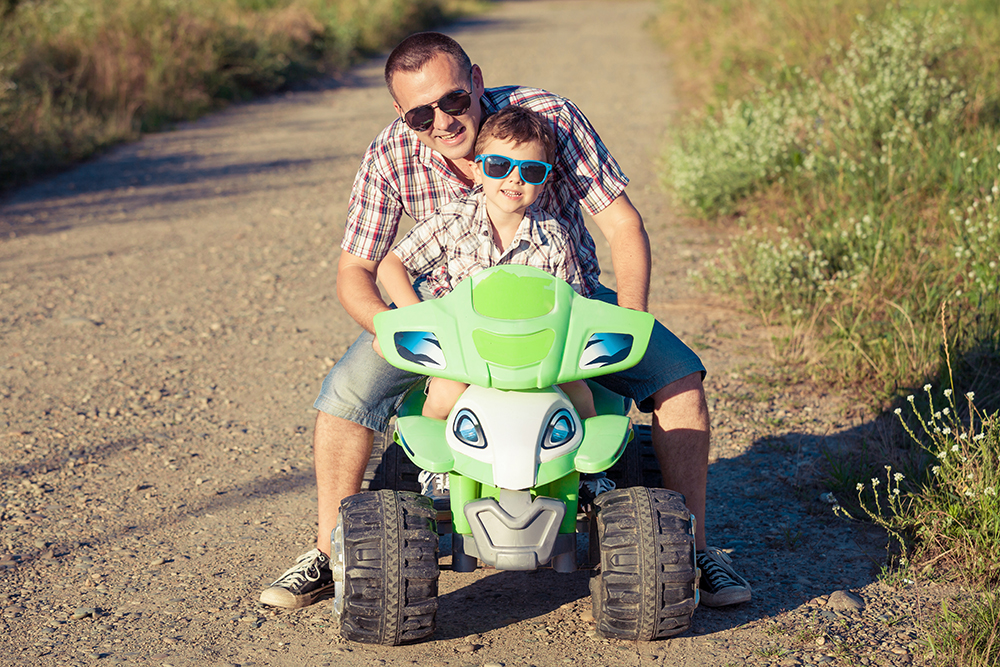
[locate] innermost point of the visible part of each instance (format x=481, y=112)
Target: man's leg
x=681, y=442
x=341, y=450
x=681, y=430
x=359, y=396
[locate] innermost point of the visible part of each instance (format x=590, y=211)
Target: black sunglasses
x=533, y=172
x=454, y=103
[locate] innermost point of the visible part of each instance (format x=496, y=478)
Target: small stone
x=587, y=616
x=156, y=562
x=465, y=648
x=898, y=650
x=83, y=612
x=845, y=601
x=821, y=640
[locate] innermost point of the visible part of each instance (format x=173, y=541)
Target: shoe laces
x=597, y=485
x=306, y=568
x=714, y=571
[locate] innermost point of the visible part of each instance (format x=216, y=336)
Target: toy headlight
x=468, y=430
x=560, y=430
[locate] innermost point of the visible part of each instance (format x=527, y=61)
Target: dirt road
x=169, y=311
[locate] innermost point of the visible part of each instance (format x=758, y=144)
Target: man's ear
x=477, y=79
x=396, y=107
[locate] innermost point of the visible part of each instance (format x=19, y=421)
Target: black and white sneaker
x=433, y=484
x=309, y=580
x=591, y=486
x=719, y=584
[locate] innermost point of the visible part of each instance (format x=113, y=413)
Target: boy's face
x=454, y=137
x=511, y=194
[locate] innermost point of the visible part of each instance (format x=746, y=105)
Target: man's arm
x=622, y=226
x=357, y=291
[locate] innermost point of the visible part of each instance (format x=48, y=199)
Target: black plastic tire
x=390, y=568
x=646, y=587
x=638, y=465
x=389, y=467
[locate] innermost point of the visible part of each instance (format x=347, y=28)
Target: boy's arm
x=622, y=226
x=393, y=276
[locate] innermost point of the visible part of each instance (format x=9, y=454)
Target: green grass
x=860, y=169
x=79, y=75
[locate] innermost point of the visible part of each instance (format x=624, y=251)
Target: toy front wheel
x=647, y=584
x=386, y=568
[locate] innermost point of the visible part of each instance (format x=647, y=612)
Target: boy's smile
x=507, y=198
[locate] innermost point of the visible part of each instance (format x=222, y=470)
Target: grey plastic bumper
x=518, y=532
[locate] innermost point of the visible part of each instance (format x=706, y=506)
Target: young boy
x=495, y=224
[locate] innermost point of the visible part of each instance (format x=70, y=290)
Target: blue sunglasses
x=533, y=172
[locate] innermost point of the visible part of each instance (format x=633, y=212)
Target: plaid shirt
x=400, y=175
x=457, y=242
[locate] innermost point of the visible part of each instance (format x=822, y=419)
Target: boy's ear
x=477, y=173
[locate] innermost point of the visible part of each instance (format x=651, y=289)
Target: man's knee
x=330, y=429
x=683, y=398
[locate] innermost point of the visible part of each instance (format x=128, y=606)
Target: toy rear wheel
x=638, y=465
x=389, y=551
x=388, y=466
x=647, y=584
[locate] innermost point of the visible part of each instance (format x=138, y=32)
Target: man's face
x=454, y=137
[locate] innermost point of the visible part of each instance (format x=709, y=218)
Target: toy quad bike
x=514, y=448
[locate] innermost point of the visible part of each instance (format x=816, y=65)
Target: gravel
x=168, y=314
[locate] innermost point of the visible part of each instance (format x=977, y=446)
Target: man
x=420, y=162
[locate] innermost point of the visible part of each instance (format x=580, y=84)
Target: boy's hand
x=377, y=347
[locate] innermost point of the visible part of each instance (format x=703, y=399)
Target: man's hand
x=622, y=226
x=357, y=290
x=377, y=347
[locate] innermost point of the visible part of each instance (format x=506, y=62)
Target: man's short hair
x=520, y=126
x=418, y=49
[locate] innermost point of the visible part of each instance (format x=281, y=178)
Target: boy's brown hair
x=520, y=126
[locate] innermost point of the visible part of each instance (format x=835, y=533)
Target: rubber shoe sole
x=725, y=597
x=276, y=596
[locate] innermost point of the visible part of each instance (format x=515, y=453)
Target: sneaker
x=309, y=580
x=591, y=486
x=719, y=584
x=433, y=484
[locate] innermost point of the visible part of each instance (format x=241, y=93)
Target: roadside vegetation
x=78, y=76
x=852, y=151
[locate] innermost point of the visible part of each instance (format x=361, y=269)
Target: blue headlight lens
x=468, y=430
x=560, y=430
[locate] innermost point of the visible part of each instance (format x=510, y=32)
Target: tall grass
x=869, y=197
x=861, y=169
x=76, y=76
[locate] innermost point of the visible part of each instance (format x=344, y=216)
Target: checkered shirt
x=457, y=242
x=399, y=175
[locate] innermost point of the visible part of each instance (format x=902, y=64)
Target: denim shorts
x=364, y=388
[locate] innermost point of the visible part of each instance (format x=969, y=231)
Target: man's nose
x=442, y=121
